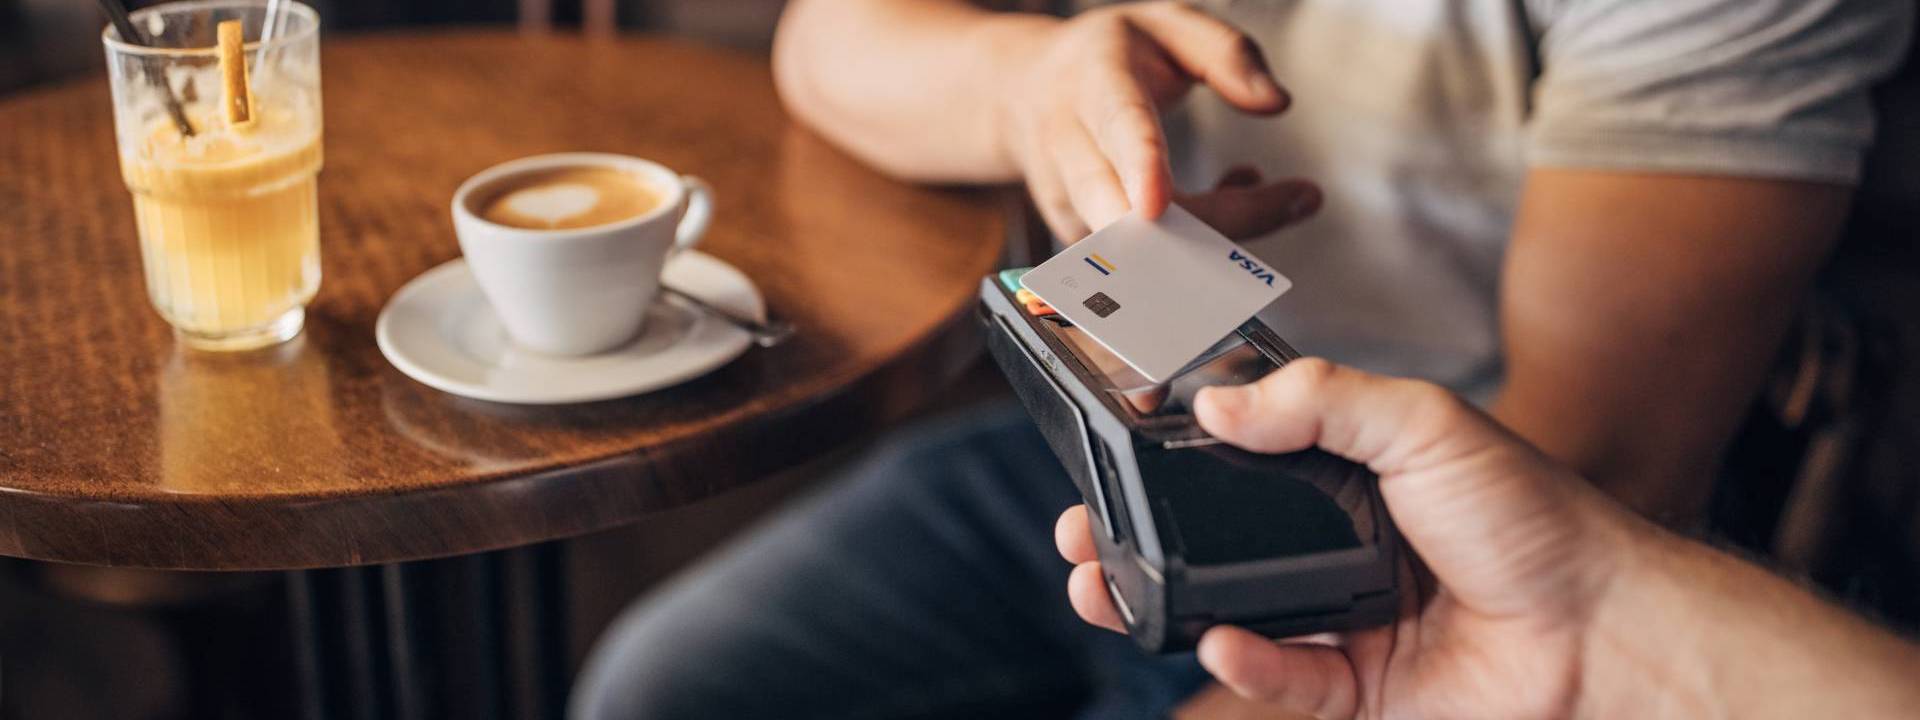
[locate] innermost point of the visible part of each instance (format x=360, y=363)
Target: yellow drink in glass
x=229, y=227
x=228, y=216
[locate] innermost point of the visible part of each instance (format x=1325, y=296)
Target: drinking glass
x=228, y=220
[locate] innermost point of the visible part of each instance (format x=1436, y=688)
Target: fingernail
x=1259, y=77
x=1136, y=198
x=1227, y=401
x=1306, y=203
x=1262, y=87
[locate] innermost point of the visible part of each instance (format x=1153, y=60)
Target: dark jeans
x=926, y=585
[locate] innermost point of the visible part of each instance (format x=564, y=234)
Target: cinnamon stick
x=235, y=97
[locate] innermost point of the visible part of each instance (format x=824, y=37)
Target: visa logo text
x=1253, y=268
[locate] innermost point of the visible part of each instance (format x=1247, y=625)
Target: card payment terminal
x=1193, y=532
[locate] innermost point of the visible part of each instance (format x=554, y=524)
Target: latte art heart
x=552, y=203
x=564, y=198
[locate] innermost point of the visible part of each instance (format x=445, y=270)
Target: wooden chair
x=747, y=23
x=597, y=17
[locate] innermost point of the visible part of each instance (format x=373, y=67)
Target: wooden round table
x=120, y=447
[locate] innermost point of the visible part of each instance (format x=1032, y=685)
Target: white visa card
x=1157, y=294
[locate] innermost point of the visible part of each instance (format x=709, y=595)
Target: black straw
x=130, y=34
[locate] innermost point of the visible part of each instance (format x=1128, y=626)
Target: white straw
x=270, y=24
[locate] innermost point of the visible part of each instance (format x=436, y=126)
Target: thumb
x=1506, y=530
x=1390, y=424
x=1315, y=680
x=1214, y=53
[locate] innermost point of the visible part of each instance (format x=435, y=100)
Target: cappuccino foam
x=565, y=198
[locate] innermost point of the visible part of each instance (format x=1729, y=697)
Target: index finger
x=1073, y=535
x=1214, y=52
x=1126, y=128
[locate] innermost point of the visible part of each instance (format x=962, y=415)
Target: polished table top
x=120, y=447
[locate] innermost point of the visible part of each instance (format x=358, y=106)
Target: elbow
x=790, y=66
x=802, y=72
x=824, y=97
x=811, y=106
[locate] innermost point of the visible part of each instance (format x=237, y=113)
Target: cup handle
x=699, y=214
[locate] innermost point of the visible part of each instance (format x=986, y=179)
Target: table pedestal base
x=480, y=636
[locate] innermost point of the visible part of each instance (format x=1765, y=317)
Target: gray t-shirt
x=1420, y=119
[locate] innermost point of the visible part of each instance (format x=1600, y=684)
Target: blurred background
x=45, y=40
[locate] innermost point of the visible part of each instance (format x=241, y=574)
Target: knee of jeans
x=994, y=447
x=635, y=672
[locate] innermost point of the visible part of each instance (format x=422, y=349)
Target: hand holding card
x=1156, y=293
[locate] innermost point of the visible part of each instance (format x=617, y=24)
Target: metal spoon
x=765, y=334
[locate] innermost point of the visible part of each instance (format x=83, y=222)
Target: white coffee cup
x=585, y=290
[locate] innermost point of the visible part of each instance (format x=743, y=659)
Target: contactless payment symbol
x=1101, y=305
x=1100, y=263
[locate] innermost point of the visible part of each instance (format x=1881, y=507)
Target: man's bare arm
x=1641, y=312
x=937, y=91
x=1687, y=632
x=906, y=85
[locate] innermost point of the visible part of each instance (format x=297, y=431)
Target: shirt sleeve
x=1751, y=88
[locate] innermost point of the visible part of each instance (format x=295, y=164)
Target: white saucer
x=439, y=330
